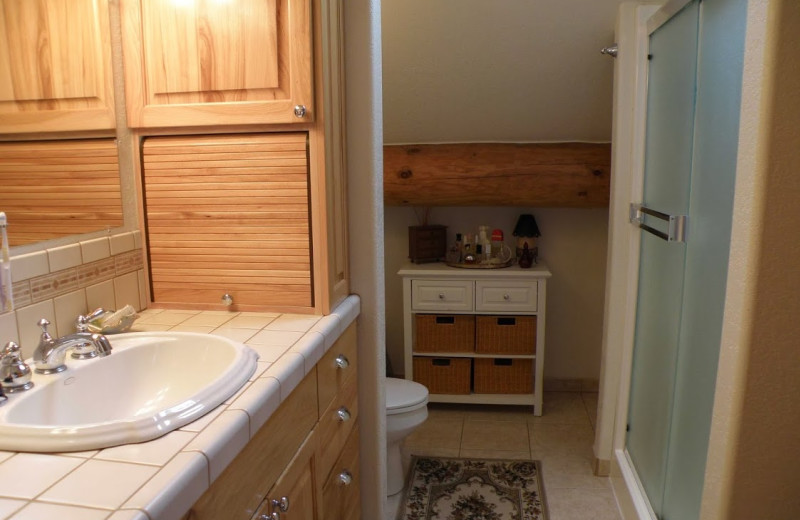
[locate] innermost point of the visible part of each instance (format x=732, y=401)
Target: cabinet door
x=55, y=66
x=228, y=215
x=206, y=62
x=297, y=488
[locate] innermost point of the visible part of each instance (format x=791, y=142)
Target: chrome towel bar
x=676, y=224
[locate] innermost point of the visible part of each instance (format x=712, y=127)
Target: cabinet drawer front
x=441, y=295
x=333, y=429
x=340, y=493
x=520, y=296
x=331, y=376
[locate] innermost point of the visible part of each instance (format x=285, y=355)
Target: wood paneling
x=207, y=62
x=228, y=214
x=491, y=174
x=55, y=66
x=239, y=490
x=52, y=189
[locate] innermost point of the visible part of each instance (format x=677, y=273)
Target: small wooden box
x=427, y=243
x=445, y=333
x=443, y=375
x=503, y=376
x=505, y=335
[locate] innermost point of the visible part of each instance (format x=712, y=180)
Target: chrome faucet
x=48, y=358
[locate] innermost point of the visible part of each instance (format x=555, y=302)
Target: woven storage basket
x=505, y=335
x=445, y=333
x=503, y=376
x=443, y=375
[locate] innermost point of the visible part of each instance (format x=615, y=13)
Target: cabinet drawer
x=438, y=295
x=333, y=428
x=507, y=297
x=340, y=492
x=331, y=376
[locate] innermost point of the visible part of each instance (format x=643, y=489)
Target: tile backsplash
x=62, y=282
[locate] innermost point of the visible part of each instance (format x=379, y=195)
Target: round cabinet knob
x=441, y=296
x=506, y=297
x=282, y=504
x=343, y=414
x=345, y=478
x=227, y=299
x=300, y=111
x=342, y=361
x=271, y=516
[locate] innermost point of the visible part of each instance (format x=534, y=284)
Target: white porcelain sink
x=151, y=384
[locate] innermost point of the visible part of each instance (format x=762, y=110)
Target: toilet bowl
x=406, y=409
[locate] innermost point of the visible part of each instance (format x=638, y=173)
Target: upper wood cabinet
x=206, y=62
x=55, y=66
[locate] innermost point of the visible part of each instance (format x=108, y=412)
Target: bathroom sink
x=151, y=384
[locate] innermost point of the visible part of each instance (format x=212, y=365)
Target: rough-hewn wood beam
x=493, y=174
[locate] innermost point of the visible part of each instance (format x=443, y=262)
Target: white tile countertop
x=163, y=478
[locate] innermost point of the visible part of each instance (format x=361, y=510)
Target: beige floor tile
x=563, y=408
x=437, y=433
x=499, y=413
x=495, y=435
x=590, y=400
x=581, y=504
x=446, y=411
x=565, y=464
x=495, y=454
x=561, y=439
x=561, y=480
x=425, y=451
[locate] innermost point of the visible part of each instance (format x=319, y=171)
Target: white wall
x=497, y=70
x=573, y=245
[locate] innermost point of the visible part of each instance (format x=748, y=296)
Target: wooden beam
x=497, y=174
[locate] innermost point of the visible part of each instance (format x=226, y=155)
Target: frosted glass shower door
x=668, y=166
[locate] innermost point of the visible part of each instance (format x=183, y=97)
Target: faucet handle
x=81, y=323
x=43, y=323
x=15, y=374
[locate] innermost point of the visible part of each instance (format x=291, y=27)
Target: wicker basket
x=443, y=375
x=445, y=333
x=505, y=335
x=503, y=376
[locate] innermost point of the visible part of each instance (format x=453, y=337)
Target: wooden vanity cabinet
x=217, y=63
x=55, y=58
x=298, y=454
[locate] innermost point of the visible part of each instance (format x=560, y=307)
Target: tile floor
x=561, y=439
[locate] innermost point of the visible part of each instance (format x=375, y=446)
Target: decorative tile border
x=61, y=282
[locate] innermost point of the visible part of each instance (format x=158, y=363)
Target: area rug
x=440, y=488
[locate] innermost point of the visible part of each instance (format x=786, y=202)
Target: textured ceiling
x=497, y=70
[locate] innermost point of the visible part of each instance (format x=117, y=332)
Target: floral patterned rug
x=441, y=488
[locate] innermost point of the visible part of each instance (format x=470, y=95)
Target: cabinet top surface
x=441, y=270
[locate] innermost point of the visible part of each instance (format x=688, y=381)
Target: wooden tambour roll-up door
x=228, y=214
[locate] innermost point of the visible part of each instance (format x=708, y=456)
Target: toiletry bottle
x=497, y=242
x=479, y=253
x=459, y=247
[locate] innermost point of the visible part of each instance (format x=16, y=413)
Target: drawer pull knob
x=272, y=516
x=300, y=111
x=342, y=361
x=343, y=414
x=441, y=296
x=345, y=478
x=281, y=505
x=506, y=297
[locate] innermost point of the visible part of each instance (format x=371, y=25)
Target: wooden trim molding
x=574, y=175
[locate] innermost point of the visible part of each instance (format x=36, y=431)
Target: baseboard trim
x=632, y=501
x=570, y=385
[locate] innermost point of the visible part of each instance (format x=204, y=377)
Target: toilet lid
x=402, y=395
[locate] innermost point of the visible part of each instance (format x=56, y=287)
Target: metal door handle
x=676, y=224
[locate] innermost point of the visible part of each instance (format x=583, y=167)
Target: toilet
x=406, y=409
